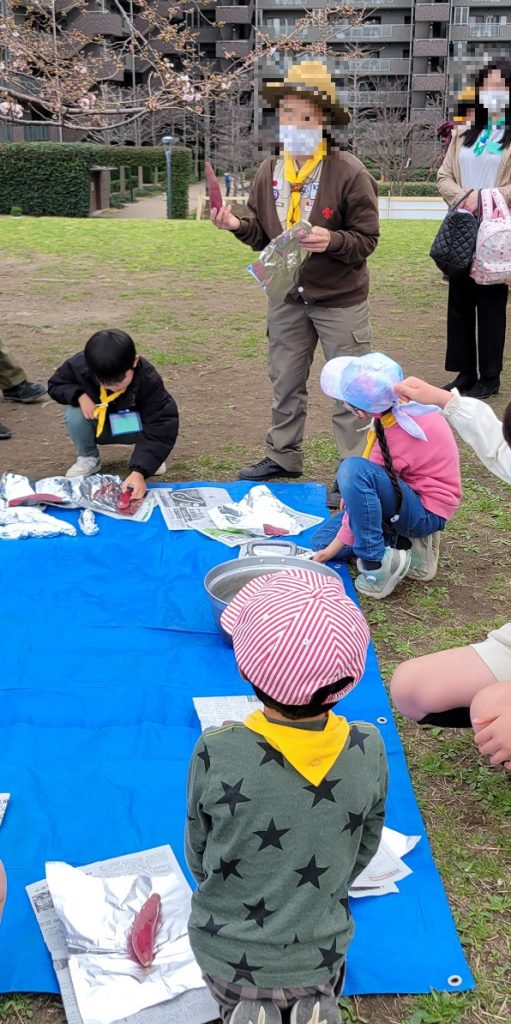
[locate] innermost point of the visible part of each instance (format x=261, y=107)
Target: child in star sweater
x=286, y=808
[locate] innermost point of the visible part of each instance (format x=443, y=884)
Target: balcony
x=426, y=116
x=237, y=14
x=431, y=12
x=487, y=31
x=365, y=98
x=434, y=82
x=430, y=48
x=97, y=23
x=233, y=48
x=377, y=66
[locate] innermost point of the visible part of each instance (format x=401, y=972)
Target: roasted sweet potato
x=144, y=930
x=214, y=193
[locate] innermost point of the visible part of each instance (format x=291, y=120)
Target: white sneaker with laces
x=85, y=465
x=425, y=552
x=381, y=582
x=161, y=470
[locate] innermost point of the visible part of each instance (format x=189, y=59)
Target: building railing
x=484, y=31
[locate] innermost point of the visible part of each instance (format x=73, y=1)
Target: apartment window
x=460, y=15
x=408, y=19
x=406, y=51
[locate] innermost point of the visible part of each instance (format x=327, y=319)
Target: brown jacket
x=346, y=204
x=449, y=176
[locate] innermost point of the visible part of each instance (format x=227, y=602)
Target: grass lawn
x=183, y=291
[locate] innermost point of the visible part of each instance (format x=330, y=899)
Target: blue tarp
x=104, y=642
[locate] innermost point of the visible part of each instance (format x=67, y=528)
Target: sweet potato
x=275, y=531
x=214, y=193
x=144, y=929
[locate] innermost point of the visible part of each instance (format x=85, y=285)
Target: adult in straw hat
x=311, y=180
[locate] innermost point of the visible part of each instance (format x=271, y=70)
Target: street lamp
x=167, y=145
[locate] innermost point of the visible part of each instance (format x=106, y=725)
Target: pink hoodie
x=431, y=468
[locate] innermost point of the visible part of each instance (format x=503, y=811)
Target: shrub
x=53, y=179
x=409, y=188
x=16, y=211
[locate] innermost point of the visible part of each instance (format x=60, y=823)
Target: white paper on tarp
x=212, y=712
x=195, y=1006
x=386, y=868
x=187, y=508
x=259, y=513
x=4, y=800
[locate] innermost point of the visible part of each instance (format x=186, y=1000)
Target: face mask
x=495, y=100
x=300, y=141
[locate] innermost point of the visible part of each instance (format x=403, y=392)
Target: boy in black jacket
x=114, y=396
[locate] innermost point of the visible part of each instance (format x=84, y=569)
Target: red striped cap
x=294, y=631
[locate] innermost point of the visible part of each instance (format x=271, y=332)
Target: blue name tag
x=128, y=422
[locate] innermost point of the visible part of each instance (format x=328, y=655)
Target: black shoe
x=25, y=392
x=463, y=383
x=333, y=497
x=266, y=469
x=485, y=388
x=5, y=433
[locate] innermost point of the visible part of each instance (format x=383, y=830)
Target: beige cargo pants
x=293, y=333
x=10, y=373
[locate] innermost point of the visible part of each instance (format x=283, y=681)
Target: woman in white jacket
x=465, y=684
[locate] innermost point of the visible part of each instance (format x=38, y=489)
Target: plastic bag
x=278, y=265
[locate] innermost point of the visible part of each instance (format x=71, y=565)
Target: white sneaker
x=425, y=552
x=162, y=469
x=85, y=465
x=381, y=582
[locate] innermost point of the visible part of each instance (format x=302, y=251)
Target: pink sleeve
x=345, y=535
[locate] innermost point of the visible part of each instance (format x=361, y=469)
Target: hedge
x=408, y=188
x=52, y=179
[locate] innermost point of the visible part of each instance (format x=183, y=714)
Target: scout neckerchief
x=387, y=420
x=102, y=408
x=485, y=143
x=296, y=179
x=311, y=753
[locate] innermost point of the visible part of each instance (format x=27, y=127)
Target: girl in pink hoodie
x=398, y=497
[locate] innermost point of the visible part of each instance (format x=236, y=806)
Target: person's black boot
x=26, y=392
x=5, y=433
x=333, y=497
x=485, y=388
x=463, y=383
x=266, y=469
x=454, y=718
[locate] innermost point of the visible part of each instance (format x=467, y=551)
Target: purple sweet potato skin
x=143, y=931
x=214, y=193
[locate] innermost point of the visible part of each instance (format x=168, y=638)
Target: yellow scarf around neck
x=311, y=753
x=296, y=179
x=387, y=420
x=102, y=407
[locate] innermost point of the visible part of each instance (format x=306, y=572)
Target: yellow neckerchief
x=296, y=179
x=387, y=420
x=102, y=408
x=311, y=753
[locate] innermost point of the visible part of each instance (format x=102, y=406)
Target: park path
x=154, y=207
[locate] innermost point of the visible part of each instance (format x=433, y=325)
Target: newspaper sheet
x=214, y=711
x=187, y=509
x=194, y=1007
x=386, y=868
x=4, y=800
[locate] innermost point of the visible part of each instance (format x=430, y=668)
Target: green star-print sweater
x=274, y=855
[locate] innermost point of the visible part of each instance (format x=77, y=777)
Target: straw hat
x=312, y=80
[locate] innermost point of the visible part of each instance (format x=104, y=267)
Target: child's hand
x=3, y=889
x=321, y=556
x=87, y=406
x=413, y=389
x=493, y=737
x=137, y=482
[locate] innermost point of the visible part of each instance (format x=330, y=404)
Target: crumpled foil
x=21, y=523
x=87, y=522
x=257, y=510
x=278, y=265
x=99, y=492
x=97, y=915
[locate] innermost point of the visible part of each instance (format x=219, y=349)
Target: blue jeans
x=371, y=503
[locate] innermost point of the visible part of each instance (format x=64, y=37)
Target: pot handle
x=268, y=544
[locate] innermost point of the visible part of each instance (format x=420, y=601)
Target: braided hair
x=387, y=462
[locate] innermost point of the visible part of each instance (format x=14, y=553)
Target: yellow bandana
x=102, y=407
x=296, y=179
x=387, y=420
x=311, y=753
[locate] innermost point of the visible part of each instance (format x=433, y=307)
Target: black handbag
x=455, y=241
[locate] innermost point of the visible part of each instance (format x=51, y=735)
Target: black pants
x=466, y=298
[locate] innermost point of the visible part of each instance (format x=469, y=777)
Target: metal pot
x=226, y=580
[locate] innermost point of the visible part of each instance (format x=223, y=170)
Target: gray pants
x=294, y=330
x=11, y=374
x=83, y=433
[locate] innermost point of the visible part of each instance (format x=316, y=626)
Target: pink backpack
x=492, y=257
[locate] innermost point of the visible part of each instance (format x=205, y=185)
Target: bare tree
x=386, y=136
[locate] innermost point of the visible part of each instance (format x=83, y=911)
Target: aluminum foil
x=21, y=523
x=97, y=915
x=277, y=267
x=261, y=514
x=87, y=523
x=100, y=493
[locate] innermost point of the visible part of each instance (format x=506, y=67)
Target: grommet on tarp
x=382, y=720
x=455, y=980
